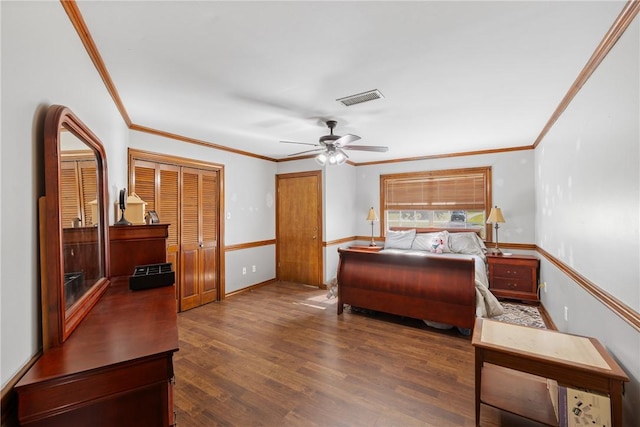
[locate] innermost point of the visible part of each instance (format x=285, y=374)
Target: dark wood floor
x=273, y=357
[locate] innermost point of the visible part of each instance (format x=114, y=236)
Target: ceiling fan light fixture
x=321, y=159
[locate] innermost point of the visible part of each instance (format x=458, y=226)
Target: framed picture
x=153, y=217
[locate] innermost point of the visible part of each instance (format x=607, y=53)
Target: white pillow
x=399, y=239
x=466, y=243
x=424, y=241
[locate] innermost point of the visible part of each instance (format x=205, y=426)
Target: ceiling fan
x=331, y=147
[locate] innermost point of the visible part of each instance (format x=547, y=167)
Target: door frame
x=319, y=219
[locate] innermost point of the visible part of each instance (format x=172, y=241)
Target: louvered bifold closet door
x=168, y=208
x=209, y=237
x=69, y=194
x=144, y=183
x=158, y=184
x=88, y=190
x=190, y=293
x=186, y=198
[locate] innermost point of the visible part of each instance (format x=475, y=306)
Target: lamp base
x=372, y=243
x=123, y=220
x=494, y=251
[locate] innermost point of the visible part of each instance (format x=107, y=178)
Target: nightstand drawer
x=515, y=285
x=511, y=272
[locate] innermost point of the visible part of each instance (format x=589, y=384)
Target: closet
x=186, y=195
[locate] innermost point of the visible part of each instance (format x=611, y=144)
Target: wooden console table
x=571, y=360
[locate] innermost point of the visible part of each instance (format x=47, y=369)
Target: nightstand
x=514, y=276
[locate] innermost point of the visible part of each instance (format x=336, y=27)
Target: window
x=448, y=198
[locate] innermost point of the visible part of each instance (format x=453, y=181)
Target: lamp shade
x=372, y=216
x=495, y=216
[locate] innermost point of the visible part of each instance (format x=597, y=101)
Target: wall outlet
x=253, y=268
x=244, y=270
x=566, y=313
x=543, y=285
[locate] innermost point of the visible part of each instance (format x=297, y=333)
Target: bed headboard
x=476, y=230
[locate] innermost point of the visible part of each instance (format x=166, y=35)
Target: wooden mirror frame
x=58, y=322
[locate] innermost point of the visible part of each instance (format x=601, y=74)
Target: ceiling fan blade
x=315, y=150
x=377, y=148
x=302, y=143
x=346, y=139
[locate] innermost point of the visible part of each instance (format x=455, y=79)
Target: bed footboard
x=436, y=288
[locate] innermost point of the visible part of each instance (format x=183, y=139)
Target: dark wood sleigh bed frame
x=436, y=288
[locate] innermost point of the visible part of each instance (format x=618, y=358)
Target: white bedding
x=487, y=305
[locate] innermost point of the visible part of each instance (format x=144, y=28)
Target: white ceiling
x=456, y=76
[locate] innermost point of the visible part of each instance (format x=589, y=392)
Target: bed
x=407, y=278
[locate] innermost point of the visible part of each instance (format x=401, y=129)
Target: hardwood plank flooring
x=280, y=356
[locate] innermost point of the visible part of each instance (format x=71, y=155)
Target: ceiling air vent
x=360, y=98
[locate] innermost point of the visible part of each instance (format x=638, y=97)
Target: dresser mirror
x=74, y=229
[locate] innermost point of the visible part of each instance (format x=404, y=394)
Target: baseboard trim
x=251, y=288
x=546, y=318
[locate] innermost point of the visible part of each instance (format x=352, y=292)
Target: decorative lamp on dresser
x=107, y=352
x=514, y=276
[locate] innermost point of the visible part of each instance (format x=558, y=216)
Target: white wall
x=588, y=208
x=43, y=63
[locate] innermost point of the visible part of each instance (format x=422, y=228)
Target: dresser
x=514, y=276
x=118, y=363
x=116, y=368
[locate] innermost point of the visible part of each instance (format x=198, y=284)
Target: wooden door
x=299, y=228
x=198, y=253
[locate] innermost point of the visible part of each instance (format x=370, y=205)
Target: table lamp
x=372, y=216
x=495, y=217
